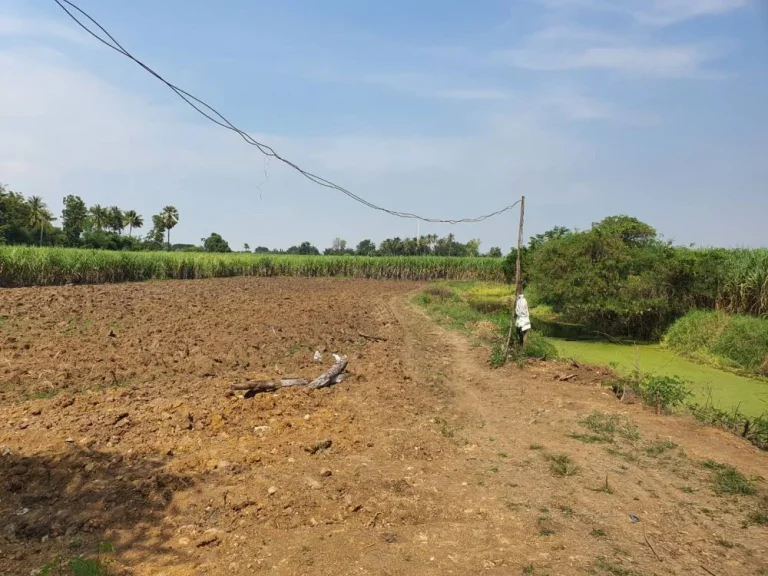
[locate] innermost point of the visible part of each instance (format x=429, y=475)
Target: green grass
x=562, y=466
x=726, y=480
x=732, y=341
x=605, y=427
x=30, y=266
x=658, y=448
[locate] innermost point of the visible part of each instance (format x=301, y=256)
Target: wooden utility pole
x=518, y=277
x=518, y=270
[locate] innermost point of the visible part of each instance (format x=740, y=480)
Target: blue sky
x=653, y=108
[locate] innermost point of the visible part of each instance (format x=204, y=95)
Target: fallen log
x=325, y=379
x=373, y=338
x=260, y=386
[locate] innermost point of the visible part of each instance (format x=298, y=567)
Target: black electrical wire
x=216, y=117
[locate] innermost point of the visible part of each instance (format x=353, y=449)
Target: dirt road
x=117, y=424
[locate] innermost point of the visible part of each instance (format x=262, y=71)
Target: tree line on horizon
x=28, y=221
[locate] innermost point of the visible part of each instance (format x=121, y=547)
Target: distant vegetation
x=29, y=222
x=32, y=266
x=620, y=278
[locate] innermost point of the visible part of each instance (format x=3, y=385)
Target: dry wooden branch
x=566, y=377
x=325, y=379
x=374, y=338
x=272, y=385
x=649, y=544
x=707, y=570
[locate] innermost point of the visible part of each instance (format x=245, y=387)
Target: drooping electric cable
x=216, y=117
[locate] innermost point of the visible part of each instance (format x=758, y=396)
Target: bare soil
x=117, y=424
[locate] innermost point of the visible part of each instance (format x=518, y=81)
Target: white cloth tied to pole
x=523, y=319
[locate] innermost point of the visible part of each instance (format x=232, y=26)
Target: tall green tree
x=73, y=219
x=99, y=215
x=366, y=248
x=157, y=234
x=170, y=217
x=305, y=248
x=133, y=220
x=215, y=243
x=115, y=220
x=39, y=215
x=14, y=217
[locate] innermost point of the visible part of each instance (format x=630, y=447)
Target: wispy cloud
x=664, y=62
x=652, y=12
x=432, y=87
x=11, y=26
x=559, y=48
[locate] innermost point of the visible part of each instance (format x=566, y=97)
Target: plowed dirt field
x=118, y=424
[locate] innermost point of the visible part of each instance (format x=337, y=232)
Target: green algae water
x=728, y=390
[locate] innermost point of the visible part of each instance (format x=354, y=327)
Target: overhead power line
x=216, y=117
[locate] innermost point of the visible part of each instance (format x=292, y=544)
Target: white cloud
x=431, y=87
x=11, y=26
x=652, y=12
x=665, y=62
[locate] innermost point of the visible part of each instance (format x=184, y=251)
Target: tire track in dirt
x=573, y=525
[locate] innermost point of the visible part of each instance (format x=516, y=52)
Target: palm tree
x=133, y=220
x=170, y=217
x=99, y=215
x=39, y=215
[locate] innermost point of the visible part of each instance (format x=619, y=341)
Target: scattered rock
x=120, y=418
x=261, y=430
x=325, y=472
x=217, y=421
x=209, y=537
x=313, y=484
x=69, y=440
x=319, y=447
x=271, y=490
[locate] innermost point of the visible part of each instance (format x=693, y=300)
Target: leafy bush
x=621, y=279
x=665, y=393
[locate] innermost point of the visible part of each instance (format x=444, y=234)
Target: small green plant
x=687, y=489
x=562, y=466
x=658, y=448
x=614, y=569
x=587, y=438
x=598, y=533
x=79, y=565
x=445, y=429
x=502, y=454
x=604, y=427
x=567, y=511
x=664, y=393
x=724, y=543
x=727, y=480
x=604, y=488
x=495, y=469
x=760, y=515
x=536, y=447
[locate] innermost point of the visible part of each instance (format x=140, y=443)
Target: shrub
x=664, y=392
x=736, y=341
